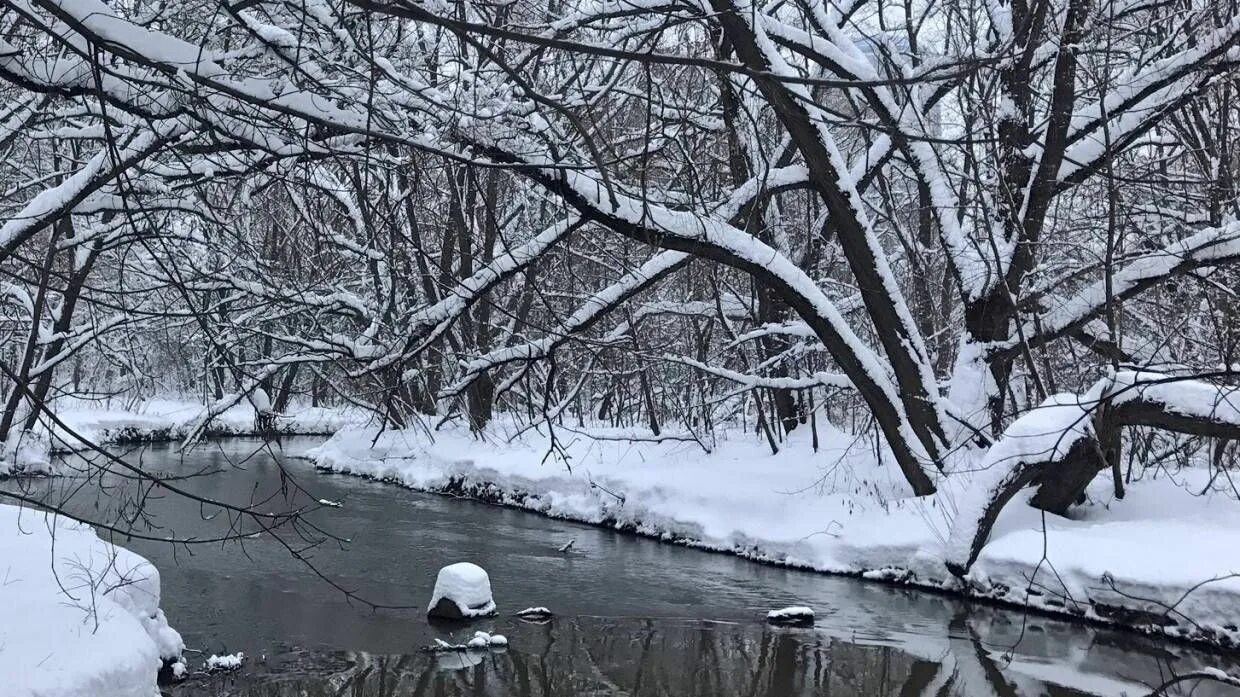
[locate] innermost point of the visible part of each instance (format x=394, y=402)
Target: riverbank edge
x=1221, y=639
x=84, y=427
x=173, y=434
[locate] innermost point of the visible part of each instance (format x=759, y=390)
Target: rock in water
x=462, y=591
x=797, y=616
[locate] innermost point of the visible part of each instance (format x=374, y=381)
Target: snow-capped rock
x=534, y=613
x=462, y=591
x=478, y=642
x=227, y=662
x=798, y=615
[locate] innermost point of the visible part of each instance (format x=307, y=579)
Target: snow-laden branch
x=1208, y=674
x=807, y=126
x=904, y=128
x=753, y=382
x=426, y=324
x=711, y=238
x=55, y=202
x=589, y=313
x=169, y=67
x=1135, y=99
x=247, y=389
x=1210, y=247
x=1183, y=404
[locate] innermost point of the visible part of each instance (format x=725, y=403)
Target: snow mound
x=462, y=590
x=79, y=615
x=482, y=640
x=797, y=614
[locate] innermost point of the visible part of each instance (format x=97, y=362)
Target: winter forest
x=942, y=293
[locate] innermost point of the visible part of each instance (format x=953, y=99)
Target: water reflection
x=662, y=658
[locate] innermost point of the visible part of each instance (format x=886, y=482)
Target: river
x=631, y=616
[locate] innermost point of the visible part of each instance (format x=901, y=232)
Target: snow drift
x=78, y=615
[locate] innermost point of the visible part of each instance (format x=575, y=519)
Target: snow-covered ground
x=78, y=615
x=840, y=511
x=154, y=420
x=167, y=419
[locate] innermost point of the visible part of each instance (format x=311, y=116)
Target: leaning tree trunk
x=1063, y=444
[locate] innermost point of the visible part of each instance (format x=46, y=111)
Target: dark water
x=632, y=616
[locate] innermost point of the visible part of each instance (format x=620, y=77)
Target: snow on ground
x=153, y=420
x=25, y=453
x=840, y=511
x=167, y=419
x=78, y=615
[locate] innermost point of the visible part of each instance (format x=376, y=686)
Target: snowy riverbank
x=837, y=511
x=78, y=615
x=154, y=420
x=171, y=419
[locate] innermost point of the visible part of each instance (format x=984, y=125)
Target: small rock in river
x=227, y=662
x=534, y=613
x=462, y=591
x=797, y=615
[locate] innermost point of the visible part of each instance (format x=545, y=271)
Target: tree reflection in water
x=591, y=657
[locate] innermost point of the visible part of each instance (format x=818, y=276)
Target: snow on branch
x=1139, y=97
x=1067, y=427
x=1213, y=246
x=806, y=123
x=55, y=202
x=709, y=237
x=753, y=382
x=706, y=235
x=428, y=323
x=1186, y=404
x=590, y=312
